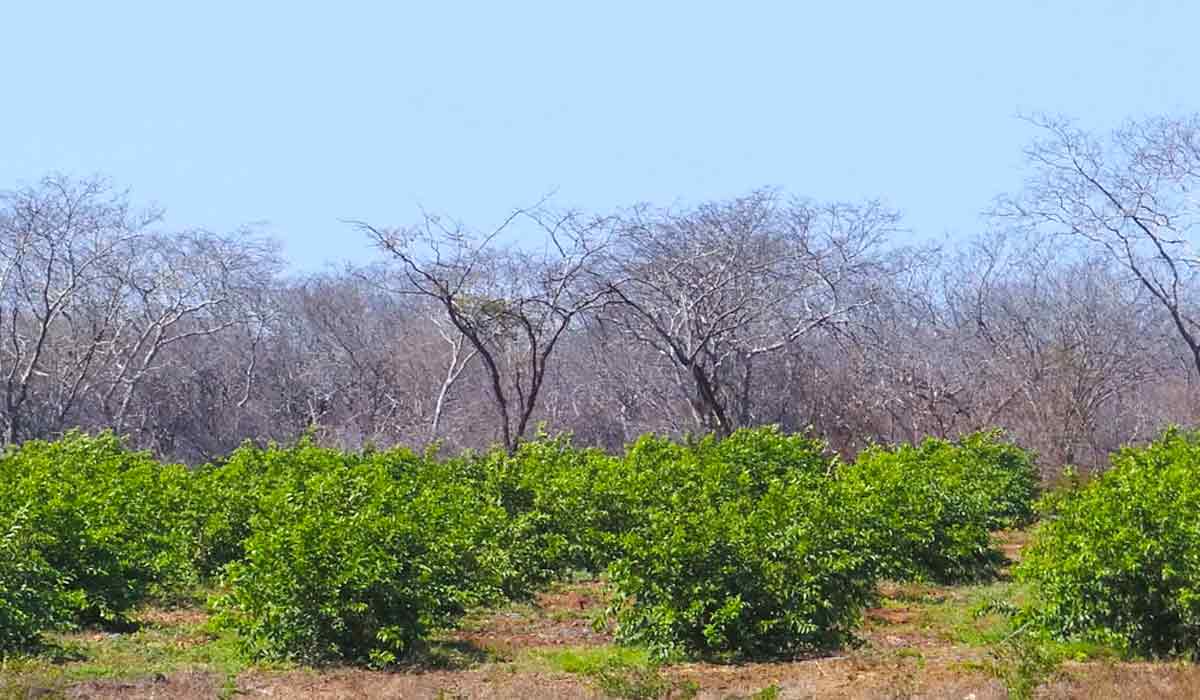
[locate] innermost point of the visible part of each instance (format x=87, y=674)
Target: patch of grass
x=480, y=619
x=618, y=672
x=969, y=615
x=164, y=640
x=151, y=650
x=1081, y=651
x=588, y=661
x=638, y=683
x=977, y=616
x=910, y=653
x=982, y=617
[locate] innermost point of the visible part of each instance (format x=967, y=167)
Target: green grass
x=770, y=692
x=958, y=615
x=152, y=650
x=587, y=661
x=969, y=615
x=165, y=641
x=977, y=616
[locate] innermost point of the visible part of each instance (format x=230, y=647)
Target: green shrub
x=1003, y=476
x=1118, y=560
x=568, y=506
x=765, y=454
x=32, y=597
x=747, y=577
x=227, y=495
x=230, y=492
x=355, y=557
x=109, y=522
x=922, y=512
x=748, y=463
x=736, y=557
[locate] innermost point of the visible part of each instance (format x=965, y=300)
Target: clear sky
x=300, y=114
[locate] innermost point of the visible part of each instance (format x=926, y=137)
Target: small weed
x=229, y=687
x=914, y=654
x=1023, y=663
x=771, y=692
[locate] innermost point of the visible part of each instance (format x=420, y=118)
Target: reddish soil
x=837, y=679
x=563, y=617
x=177, y=685
x=891, y=616
x=1010, y=543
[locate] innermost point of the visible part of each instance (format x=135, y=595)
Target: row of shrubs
x=1116, y=559
x=759, y=544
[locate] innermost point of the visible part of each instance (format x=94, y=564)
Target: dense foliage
x=91, y=528
x=354, y=557
x=735, y=555
x=1002, y=476
x=229, y=493
x=32, y=597
x=927, y=510
x=760, y=544
x=568, y=506
x=1118, y=559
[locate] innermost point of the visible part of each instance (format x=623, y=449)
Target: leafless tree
x=513, y=305
x=1052, y=340
x=92, y=301
x=458, y=359
x=755, y=310
x=717, y=288
x=176, y=287
x=1130, y=194
x=56, y=240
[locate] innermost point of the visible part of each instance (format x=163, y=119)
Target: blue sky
x=301, y=114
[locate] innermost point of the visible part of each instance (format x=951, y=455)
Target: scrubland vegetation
x=1069, y=320
x=772, y=434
